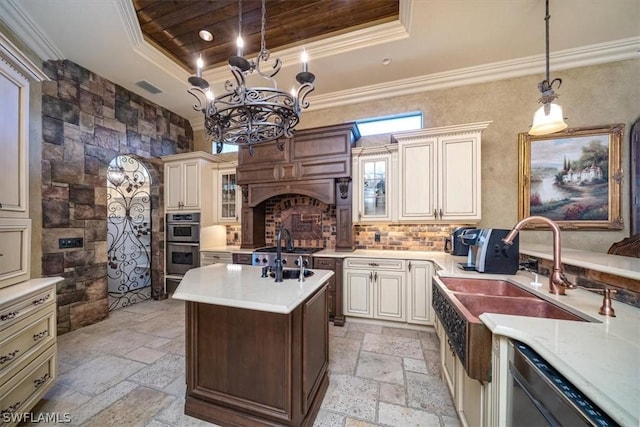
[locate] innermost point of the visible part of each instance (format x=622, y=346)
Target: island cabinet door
x=315, y=348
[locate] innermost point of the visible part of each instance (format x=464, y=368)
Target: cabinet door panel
x=358, y=296
x=389, y=295
x=418, y=192
x=191, y=185
x=173, y=185
x=419, y=294
x=460, y=186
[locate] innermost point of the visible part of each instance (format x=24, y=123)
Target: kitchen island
x=256, y=350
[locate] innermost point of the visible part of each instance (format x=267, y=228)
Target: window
x=390, y=124
x=226, y=148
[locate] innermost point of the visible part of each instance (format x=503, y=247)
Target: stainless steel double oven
x=183, y=242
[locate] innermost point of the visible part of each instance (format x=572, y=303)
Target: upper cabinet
x=189, y=184
x=433, y=175
x=373, y=183
x=14, y=116
x=228, y=201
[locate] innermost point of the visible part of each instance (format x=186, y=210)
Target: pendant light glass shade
x=548, y=123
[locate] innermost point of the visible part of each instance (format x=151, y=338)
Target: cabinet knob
x=435, y=214
x=375, y=276
x=409, y=266
x=440, y=213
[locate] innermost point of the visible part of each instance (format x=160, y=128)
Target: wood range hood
x=315, y=163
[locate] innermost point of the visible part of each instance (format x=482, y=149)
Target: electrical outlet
x=376, y=237
x=66, y=243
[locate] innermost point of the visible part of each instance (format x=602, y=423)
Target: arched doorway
x=128, y=232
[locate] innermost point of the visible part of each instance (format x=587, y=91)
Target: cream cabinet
x=375, y=288
x=471, y=398
x=15, y=251
x=187, y=182
x=419, y=274
x=439, y=174
x=373, y=183
x=215, y=257
x=14, y=133
x=27, y=344
x=227, y=198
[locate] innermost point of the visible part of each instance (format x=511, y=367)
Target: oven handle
x=182, y=244
x=182, y=223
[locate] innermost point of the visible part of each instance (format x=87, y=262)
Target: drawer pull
x=373, y=264
x=11, y=409
x=40, y=335
x=41, y=300
x=39, y=381
x=9, y=316
x=9, y=356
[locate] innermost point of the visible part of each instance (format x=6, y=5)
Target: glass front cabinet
x=372, y=172
x=228, y=206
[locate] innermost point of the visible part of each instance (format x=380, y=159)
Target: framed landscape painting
x=572, y=177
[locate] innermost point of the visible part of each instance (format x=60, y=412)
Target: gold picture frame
x=573, y=177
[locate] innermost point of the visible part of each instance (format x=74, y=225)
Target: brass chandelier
x=244, y=115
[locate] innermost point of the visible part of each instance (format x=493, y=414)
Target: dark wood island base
x=257, y=368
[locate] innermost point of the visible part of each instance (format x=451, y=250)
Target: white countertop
x=241, y=286
x=601, y=358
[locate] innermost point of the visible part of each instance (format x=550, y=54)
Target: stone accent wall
x=86, y=122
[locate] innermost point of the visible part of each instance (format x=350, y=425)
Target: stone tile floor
x=128, y=370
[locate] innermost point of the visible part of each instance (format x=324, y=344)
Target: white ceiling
x=435, y=44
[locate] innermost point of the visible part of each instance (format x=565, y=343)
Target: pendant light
x=548, y=119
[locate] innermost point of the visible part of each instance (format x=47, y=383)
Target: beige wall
x=595, y=95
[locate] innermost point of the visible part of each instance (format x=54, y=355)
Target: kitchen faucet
x=288, y=246
x=558, y=282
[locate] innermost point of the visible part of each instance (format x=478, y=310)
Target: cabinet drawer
x=15, y=247
x=25, y=339
x=23, y=390
x=242, y=259
x=15, y=310
x=208, y=257
x=324, y=263
x=375, y=263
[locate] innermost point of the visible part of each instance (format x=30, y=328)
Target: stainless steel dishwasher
x=540, y=396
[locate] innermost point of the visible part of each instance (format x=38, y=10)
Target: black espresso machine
x=488, y=254
x=454, y=245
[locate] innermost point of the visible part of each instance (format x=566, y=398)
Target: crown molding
x=15, y=17
x=142, y=47
x=11, y=55
x=601, y=53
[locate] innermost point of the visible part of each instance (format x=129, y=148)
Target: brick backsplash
x=404, y=237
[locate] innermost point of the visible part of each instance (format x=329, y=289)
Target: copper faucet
x=558, y=282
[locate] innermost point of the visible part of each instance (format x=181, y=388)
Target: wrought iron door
x=128, y=232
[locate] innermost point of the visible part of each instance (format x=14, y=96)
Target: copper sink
x=485, y=287
x=458, y=302
x=529, y=307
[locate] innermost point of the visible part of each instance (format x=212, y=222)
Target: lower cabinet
x=419, y=309
x=470, y=396
x=375, y=288
x=334, y=289
x=27, y=345
x=215, y=257
x=389, y=289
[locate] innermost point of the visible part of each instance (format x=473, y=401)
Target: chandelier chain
x=262, y=27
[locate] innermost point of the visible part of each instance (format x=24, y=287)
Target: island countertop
x=240, y=286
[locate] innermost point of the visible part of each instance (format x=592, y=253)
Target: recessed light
x=205, y=35
x=386, y=61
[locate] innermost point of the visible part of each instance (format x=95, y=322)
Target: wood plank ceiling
x=173, y=25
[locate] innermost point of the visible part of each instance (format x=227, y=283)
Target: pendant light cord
x=547, y=17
